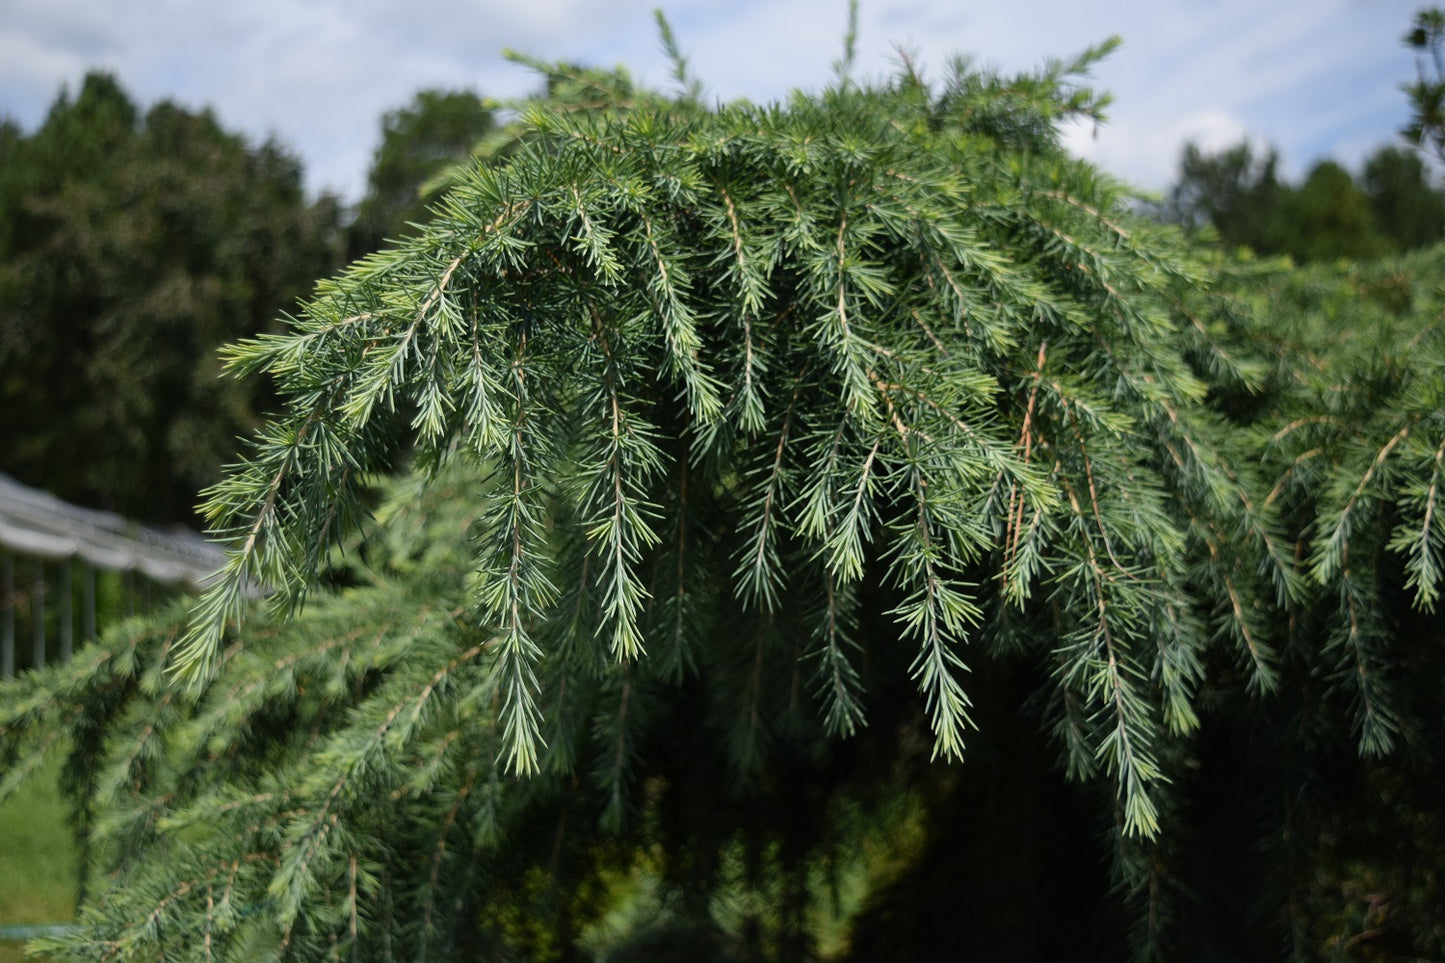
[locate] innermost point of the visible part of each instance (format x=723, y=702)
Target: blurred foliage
x=1394, y=207
x=131, y=247
x=1407, y=204
x=436, y=130
x=1426, y=38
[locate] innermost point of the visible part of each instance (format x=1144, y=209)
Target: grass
x=37, y=858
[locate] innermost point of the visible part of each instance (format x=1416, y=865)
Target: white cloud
x=1144, y=152
x=1313, y=76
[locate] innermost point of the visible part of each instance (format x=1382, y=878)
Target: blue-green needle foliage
x=740, y=426
x=735, y=365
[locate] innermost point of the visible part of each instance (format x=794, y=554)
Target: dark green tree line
x=131, y=247
x=1391, y=208
x=134, y=244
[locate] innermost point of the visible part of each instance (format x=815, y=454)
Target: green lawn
x=37, y=858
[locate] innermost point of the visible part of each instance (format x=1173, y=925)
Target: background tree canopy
x=437, y=129
x=824, y=530
x=1393, y=207
x=130, y=248
x=133, y=245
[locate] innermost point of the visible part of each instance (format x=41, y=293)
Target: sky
x=1315, y=78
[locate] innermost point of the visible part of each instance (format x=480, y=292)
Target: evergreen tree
x=1329, y=216
x=794, y=496
x=1326, y=216
x=1233, y=191
x=436, y=130
x=131, y=247
x=1407, y=206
